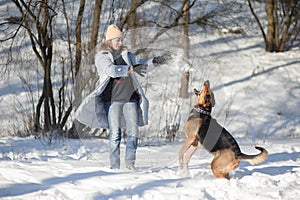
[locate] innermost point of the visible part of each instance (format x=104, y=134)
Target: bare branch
x=130, y=12
x=257, y=20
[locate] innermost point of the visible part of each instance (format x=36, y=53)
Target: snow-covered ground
x=78, y=169
x=257, y=100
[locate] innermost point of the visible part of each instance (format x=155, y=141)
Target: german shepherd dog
x=202, y=130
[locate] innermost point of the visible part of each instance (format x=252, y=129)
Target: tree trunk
x=186, y=46
x=184, y=85
x=95, y=27
x=78, y=36
x=37, y=124
x=184, y=30
x=286, y=34
x=133, y=24
x=271, y=26
x=46, y=91
x=276, y=26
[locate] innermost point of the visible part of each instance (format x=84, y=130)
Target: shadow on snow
x=26, y=188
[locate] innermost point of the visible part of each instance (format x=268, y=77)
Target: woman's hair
x=106, y=45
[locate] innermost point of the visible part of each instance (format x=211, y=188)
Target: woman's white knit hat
x=112, y=32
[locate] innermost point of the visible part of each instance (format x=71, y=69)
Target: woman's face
x=117, y=43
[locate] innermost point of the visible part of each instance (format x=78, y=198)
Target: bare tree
x=136, y=4
x=95, y=26
x=186, y=48
x=133, y=22
x=283, y=24
x=37, y=18
x=78, y=35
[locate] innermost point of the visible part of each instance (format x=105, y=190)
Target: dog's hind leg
x=224, y=162
x=217, y=166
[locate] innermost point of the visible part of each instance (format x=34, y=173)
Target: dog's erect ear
x=197, y=92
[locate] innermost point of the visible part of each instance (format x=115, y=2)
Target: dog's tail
x=255, y=159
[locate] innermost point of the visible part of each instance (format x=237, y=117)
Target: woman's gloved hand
x=161, y=60
x=140, y=69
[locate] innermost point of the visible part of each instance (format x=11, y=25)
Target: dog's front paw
x=183, y=172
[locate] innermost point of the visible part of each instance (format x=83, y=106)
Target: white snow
x=78, y=169
x=257, y=100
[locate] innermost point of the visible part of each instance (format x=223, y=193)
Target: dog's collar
x=199, y=110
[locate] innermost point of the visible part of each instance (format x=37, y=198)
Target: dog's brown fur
x=200, y=132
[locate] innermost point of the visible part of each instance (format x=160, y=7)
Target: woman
x=118, y=101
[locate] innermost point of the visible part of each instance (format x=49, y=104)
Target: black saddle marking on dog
x=214, y=137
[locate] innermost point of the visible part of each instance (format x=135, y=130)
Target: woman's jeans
x=130, y=113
